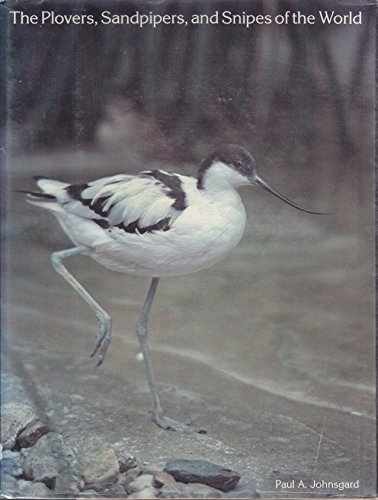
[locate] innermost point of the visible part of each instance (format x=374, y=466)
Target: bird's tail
x=34, y=196
x=48, y=187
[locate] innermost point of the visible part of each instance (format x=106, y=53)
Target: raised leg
x=105, y=321
x=142, y=332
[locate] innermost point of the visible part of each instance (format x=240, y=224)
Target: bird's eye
x=238, y=163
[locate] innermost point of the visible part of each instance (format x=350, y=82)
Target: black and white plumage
x=153, y=224
x=122, y=217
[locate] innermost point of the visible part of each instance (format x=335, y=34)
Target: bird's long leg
x=104, y=332
x=158, y=416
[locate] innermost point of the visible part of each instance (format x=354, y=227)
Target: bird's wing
x=150, y=201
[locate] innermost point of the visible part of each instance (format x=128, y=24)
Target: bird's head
x=232, y=166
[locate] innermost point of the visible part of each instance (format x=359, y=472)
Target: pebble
x=150, y=468
x=12, y=488
x=164, y=479
x=108, y=490
x=12, y=466
x=24, y=413
x=88, y=494
x=145, y=493
x=100, y=466
x=32, y=432
x=33, y=490
x=25, y=452
x=126, y=478
x=141, y=482
x=193, y=490
x=9, y=485
x=41, y=468
x=126, y=461
x=14, y=418
x=10, y=428
x=204, y=472
x=52, y=462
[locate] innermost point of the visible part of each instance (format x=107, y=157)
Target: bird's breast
x=204, y=233
x=211, y=227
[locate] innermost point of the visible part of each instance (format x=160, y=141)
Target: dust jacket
x=262, y=329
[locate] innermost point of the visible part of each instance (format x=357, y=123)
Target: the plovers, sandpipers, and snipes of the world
x=153, y=224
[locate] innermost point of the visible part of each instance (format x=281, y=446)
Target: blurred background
x=275, y=344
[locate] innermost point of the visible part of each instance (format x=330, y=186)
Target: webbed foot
x=174, y=425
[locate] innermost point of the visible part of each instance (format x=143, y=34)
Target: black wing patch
x=75, y=191
x=174, y=185
x=171, y=187
x=133, y=227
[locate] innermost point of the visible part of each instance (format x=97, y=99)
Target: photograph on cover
x=188, y=249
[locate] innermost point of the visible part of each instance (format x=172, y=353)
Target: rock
x=24, y=453
x=150, y=468
x=14, y=418
x=126, y=478
x=10, y=428
x=33, y=490
x=198, y=490
x=24, y=413
x=173, y=491
x=126, y=461
x=9, y=486
x=242, y=494
x=12, y=466
x=145, y=493
x=164, y=479
x=42, y=468
x=204, y=472
x=32, y=432
x=10, y=454
x=100, y=466
x=52, y=462
x=193, y=490
x=141, y=482
x=108, y=490
x=88, y=494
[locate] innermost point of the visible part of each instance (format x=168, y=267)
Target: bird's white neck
x=219, y=187
x=221, y=179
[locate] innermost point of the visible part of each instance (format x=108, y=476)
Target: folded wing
x=150, y=201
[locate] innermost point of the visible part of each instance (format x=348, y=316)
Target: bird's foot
x=102, y=338
x=174, y=425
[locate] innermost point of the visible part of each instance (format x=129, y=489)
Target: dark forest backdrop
x=300, y=97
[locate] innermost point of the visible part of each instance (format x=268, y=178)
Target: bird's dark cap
x=235, y=156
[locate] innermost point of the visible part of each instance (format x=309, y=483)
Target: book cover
x=253, y=124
